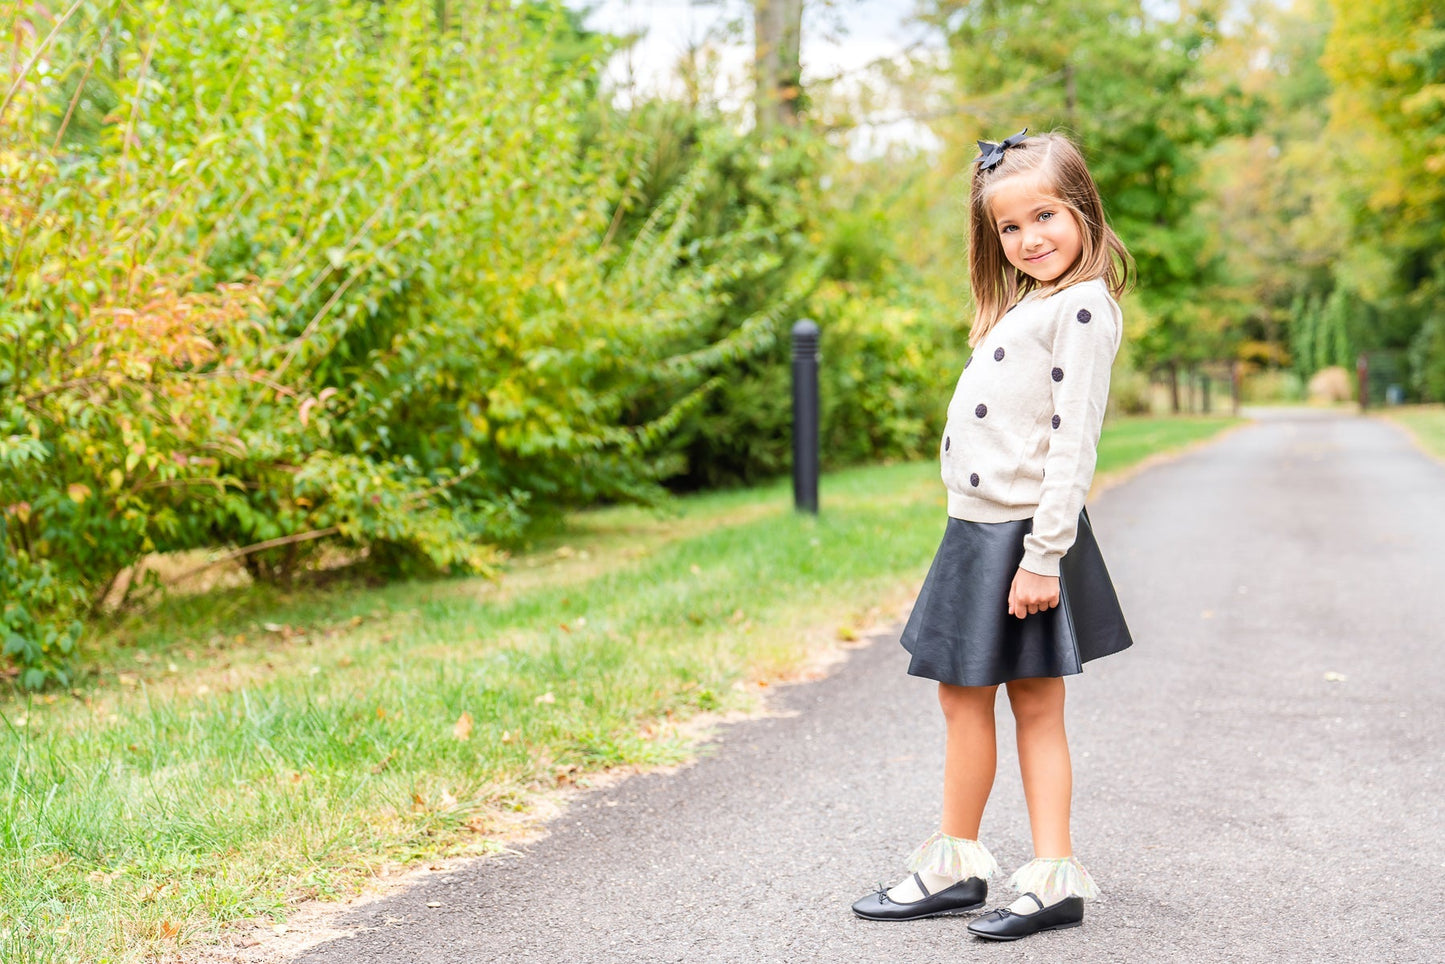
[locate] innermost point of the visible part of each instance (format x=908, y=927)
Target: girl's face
x=1039, y=234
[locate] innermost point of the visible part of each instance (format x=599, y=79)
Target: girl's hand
x=1032, y=593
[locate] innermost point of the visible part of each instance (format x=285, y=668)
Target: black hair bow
x=993, y=153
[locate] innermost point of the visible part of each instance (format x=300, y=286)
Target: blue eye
x=1046, y=215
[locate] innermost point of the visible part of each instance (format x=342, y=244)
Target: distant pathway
x=1234, y=799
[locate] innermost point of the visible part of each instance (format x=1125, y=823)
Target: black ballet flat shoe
x=966, y=895
x=1005, y=925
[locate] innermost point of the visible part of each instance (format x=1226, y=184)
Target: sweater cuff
x=1041, y=564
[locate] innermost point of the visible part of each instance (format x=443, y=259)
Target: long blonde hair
x=997, y=285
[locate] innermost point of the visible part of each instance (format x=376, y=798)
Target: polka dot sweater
x=1024, y=422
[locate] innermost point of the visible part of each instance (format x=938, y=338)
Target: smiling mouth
x=1039, y=257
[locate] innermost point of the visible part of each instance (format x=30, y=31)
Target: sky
x=842, y=36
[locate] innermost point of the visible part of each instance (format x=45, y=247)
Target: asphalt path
x=1258, y=779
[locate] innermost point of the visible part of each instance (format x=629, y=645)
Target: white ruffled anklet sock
x=1051, y=879
x=940, y=862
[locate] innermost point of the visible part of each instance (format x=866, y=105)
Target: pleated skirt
x=960, y=631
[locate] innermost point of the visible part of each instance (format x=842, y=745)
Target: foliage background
x=398, y=284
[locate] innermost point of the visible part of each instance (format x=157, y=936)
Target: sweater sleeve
x=1086, y=339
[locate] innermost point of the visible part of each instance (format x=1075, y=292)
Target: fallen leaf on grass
x=847, y=634
x=545, y=698
x=155, y=892
x=462, y=728
x=169, y=928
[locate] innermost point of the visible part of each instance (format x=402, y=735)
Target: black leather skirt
x=960, y=631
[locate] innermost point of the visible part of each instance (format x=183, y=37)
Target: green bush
x=1272, y=386
x=1427, y=359
x=292, y=275
x=1129, y=391
x=890, y=353
x=888, y=371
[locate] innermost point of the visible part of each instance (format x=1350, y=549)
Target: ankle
x=1052, y=879
x=954, y=858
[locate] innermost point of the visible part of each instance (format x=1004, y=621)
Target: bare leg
x=1038, y=708
x=970, y=756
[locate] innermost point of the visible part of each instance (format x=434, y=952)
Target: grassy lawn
x=1425, y=422
x=240, y=751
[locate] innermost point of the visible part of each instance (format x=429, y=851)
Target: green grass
x=1127, y=442
x=1425, y=422
x=244, y=750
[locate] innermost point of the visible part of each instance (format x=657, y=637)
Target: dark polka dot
x=981, y=411
x=973, y=480
x=1058, y=374
x=947, y=441
x=998, y=355
x=1084, y=316
x=1056, y=421
x=969, y=362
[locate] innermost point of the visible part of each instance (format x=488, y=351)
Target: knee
x=1037, y=702
x=961, y=702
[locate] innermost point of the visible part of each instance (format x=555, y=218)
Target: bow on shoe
x=993, y=153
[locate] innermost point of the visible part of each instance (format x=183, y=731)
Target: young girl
x=1018, y=594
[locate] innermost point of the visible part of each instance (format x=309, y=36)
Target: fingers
x=1030, y=594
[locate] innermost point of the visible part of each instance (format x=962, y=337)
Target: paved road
x=1234, y=801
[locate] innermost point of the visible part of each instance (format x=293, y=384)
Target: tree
x=1272, y=212
x=1387, y=62
x=1133, y=87
x=777, y=39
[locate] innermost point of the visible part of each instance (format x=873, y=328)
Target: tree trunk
x=777, y=32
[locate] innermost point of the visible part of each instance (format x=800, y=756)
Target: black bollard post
x=805, y=416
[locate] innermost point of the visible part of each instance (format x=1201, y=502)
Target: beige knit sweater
x=1025, y=418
